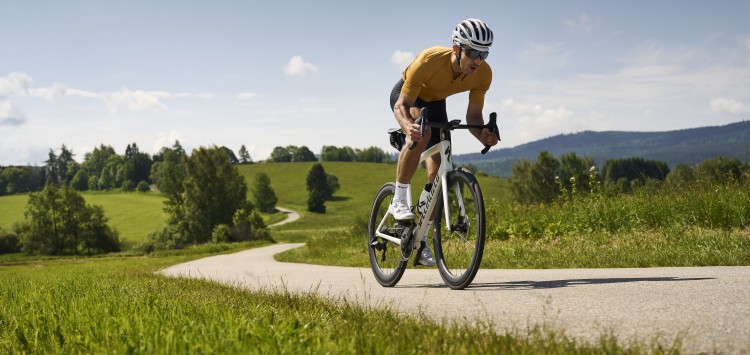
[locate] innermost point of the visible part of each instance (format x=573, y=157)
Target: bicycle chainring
x=406, y=231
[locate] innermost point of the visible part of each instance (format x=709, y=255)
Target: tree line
x=548, y=179
x=206, y=201
x=104, y=169
x=293, y=153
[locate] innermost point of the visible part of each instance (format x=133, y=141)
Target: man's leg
x=408, y=161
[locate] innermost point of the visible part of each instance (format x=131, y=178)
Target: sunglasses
x=474, y=54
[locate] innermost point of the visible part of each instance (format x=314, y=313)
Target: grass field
x=359, y=184
x=135, y=215
x=119, y=305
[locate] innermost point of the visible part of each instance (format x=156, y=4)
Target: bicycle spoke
x=385, y=255
x=459, y=248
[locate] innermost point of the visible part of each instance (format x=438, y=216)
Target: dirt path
x=707, y=307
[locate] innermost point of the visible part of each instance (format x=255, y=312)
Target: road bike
x=458, y=238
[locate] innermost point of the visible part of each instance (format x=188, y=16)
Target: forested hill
x=688, y=146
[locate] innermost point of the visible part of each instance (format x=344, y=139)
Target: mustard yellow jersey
x=430, y=77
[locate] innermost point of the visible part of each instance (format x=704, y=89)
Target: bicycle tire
x=459, y=249
x=385, y=256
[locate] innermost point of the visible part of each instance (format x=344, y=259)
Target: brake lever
x=421, y=121
x=492, y=126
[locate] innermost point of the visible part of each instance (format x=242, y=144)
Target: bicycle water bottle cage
x=398, y=138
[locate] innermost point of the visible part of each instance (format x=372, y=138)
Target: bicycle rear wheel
x=385, y=256
x=459, y=246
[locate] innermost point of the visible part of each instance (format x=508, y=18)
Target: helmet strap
x=460, y=50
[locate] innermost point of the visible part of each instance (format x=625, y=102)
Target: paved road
x=707, y=307
x=291, y=216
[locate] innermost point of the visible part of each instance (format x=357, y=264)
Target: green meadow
x=117, y=303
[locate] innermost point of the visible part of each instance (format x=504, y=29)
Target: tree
x=244, y=156
x=80, y=181
x=137, y=165
x=320, y=187
x=372, y=155
x=95, y=162
x=263, y=195
x=280, y=155
x=303, y=154
x=213, y=191
x=317, y=184
x=60, y=222
x=535, y=183
x=14, y=180
x=331, y=153
x=60, y=169
x=543, y=175
x=230, y=156
x=574, y=172
x=634, y=169
x=720, y=170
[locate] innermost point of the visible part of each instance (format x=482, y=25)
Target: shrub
x=128, y=186
x=221, y=234
x=9, y=242
x=143, y=187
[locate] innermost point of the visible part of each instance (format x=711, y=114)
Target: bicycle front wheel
x=459, y=245
x=385, y=255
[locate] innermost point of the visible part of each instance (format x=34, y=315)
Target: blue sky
x=314, y=73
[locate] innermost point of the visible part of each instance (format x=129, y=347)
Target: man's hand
x=488, y=137
x=413, y=132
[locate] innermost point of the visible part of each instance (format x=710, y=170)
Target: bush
x=9, y=242
x=143, y=187
x=128, y=186
x=221, y=234
x=163, y=238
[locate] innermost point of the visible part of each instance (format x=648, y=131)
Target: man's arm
x=402, y=111
x=474, y=117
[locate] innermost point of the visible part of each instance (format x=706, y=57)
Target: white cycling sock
x=403, y=193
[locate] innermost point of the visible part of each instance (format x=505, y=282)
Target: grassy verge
x=698, y=227
x=118, y=305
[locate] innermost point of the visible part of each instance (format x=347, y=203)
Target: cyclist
x=435, y=74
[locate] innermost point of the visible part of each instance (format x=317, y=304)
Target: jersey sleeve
x=417, y=74
x=476, y=95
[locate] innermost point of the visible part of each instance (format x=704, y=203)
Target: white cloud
x=55, y=92
x=246, y=96
x=298, y=67
x=166, y=140
x=402, y=59
x=747, y=48
x=583, y=23
x=535, y=121
x=15, y=84
x=128, y=100
x=10, y=115
x=728, y=106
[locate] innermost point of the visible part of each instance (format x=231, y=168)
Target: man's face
x=471, y=59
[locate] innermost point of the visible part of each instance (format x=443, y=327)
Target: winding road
x=707, y=308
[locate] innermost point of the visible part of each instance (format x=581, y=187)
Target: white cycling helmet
x=473, y=33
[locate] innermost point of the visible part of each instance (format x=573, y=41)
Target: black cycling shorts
x=435, y=112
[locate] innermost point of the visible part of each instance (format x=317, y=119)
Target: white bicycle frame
x=440, y=184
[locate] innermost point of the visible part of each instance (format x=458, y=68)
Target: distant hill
x=686, y=146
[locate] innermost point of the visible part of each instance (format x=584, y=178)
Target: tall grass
x=118, y=305
x=723, y=207
x=698, y=226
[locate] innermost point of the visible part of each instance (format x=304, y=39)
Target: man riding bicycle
x=435, y=74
